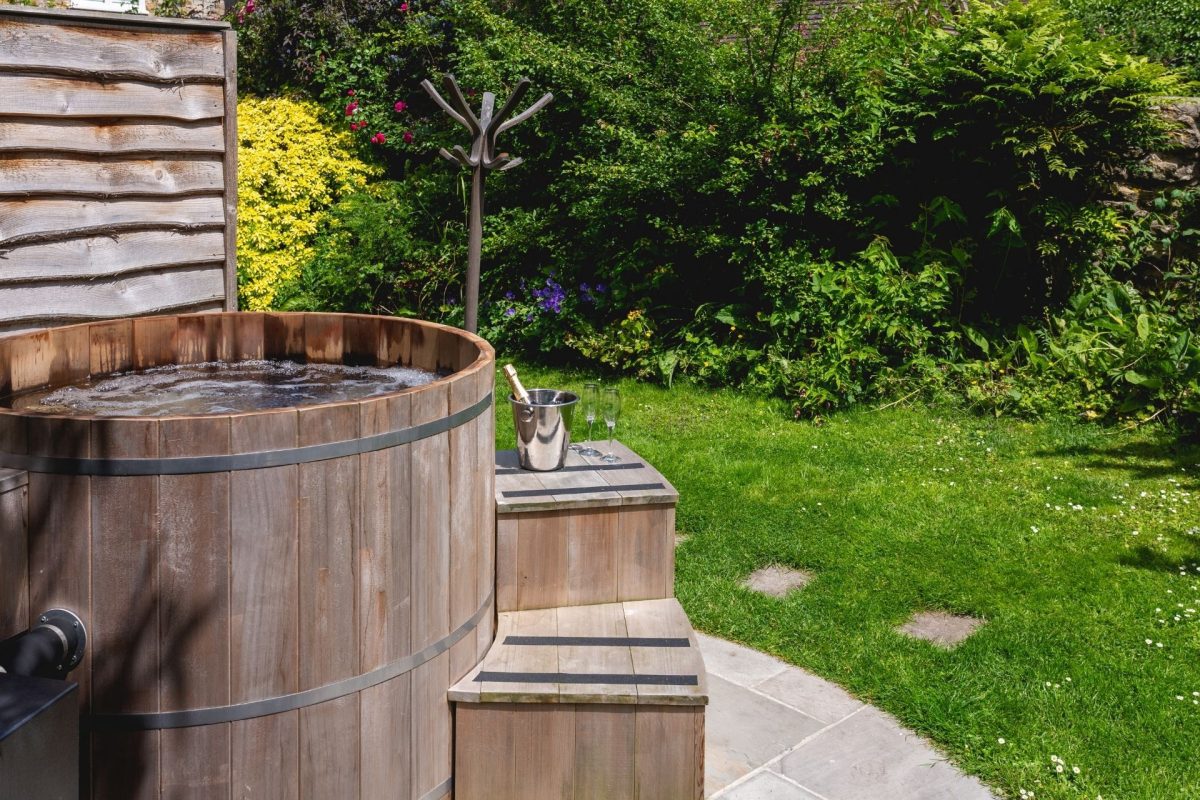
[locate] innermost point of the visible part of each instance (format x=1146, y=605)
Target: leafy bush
x=831, y=212
x=1013, y=128
x=291, y=169
x=373, y=256
x=1167, y=30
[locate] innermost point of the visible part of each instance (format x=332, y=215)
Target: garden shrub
x=728, y=192
x=291, y=169
x=1167, y=30
x=1013, y=127
x=372, y=256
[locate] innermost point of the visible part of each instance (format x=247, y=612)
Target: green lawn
x=1079, y=545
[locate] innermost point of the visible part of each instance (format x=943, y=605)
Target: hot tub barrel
x=277, y=600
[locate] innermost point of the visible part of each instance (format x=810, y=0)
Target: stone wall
x=1174, y=168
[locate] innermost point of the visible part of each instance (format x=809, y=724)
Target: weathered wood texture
x=118, y=187
x=589, y=533
x=212, y=589
x=14, y=555
x=567, y=751
x=642, y=652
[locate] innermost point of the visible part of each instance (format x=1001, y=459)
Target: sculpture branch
x=482, y=159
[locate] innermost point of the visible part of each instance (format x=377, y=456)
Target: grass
x=1079, y=546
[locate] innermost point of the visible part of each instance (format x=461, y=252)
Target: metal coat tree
x=482, y=159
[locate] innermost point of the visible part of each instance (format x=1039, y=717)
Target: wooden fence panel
x=118, y=176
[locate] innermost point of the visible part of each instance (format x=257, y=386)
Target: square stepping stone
x=941, y=628
x=776, y=580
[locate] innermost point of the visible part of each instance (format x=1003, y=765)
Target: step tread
x=584, y=482
x=635, y=652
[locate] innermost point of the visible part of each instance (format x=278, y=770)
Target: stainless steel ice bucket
x=543, y=428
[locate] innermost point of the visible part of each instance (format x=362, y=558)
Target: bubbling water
x=219, y=387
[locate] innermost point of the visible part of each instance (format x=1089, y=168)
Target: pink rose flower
x=351, y=107
x=408, y=137
x=400, y=106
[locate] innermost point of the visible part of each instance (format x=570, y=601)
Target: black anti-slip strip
x=577, y=468
x=600, y=677
x=600, y=641
x=625, y=487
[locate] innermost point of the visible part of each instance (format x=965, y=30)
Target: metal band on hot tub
x=195, y=465
x=161, y=720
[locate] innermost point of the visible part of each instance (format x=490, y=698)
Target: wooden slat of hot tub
x=14, y=552
x=464, y=547
x=60, y=542
x=264, y=618
x=125, y=590
x=329, y=509
x=194, y=607
x=385, y=601
x=485, y=433
x=431, y=498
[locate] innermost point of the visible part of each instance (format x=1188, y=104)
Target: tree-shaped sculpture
x=482, y=159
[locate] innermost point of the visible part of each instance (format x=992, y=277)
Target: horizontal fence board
x=134, y=295
x=147, y=54
x=109, y=20
x=32, y=324
x=26, y=220
x=83, y=136
x=36, y=96
x=26, y=175
x=106, y=256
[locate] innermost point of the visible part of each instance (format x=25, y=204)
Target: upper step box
x=588, y=533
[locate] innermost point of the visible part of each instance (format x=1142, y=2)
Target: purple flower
x=529, y=317
x=552, y=297
x=508, y=312
x=509, y=296
x=601, y=288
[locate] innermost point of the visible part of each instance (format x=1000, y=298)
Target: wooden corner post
x=482, y=159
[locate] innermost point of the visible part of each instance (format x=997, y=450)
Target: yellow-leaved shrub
x=291, y=169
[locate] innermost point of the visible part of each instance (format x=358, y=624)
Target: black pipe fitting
x=50, y=649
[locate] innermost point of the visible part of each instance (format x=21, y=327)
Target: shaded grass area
x=1079, y=546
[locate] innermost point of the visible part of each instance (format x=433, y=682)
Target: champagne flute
x=591, y=405
x=610, y=405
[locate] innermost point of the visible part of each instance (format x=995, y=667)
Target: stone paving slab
x=869, y=755
x=769, y=786
x=744, y=730
x=776, y=732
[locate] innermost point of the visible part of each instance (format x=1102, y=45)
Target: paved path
x=775, y=732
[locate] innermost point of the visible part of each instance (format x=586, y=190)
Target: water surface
x=219, y=387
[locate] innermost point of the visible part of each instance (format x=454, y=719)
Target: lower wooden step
x=577, y=751
x=636, y=652
x=604, y=701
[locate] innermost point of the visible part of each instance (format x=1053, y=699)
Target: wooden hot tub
x=276, y=601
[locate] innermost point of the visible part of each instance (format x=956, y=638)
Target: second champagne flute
x=591, y=406
x=610, y=404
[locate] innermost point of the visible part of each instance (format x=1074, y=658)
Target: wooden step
x=636, y=652
x=589, y=533
x=602, y=701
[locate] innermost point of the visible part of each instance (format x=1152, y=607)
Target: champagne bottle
x=510, y=372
